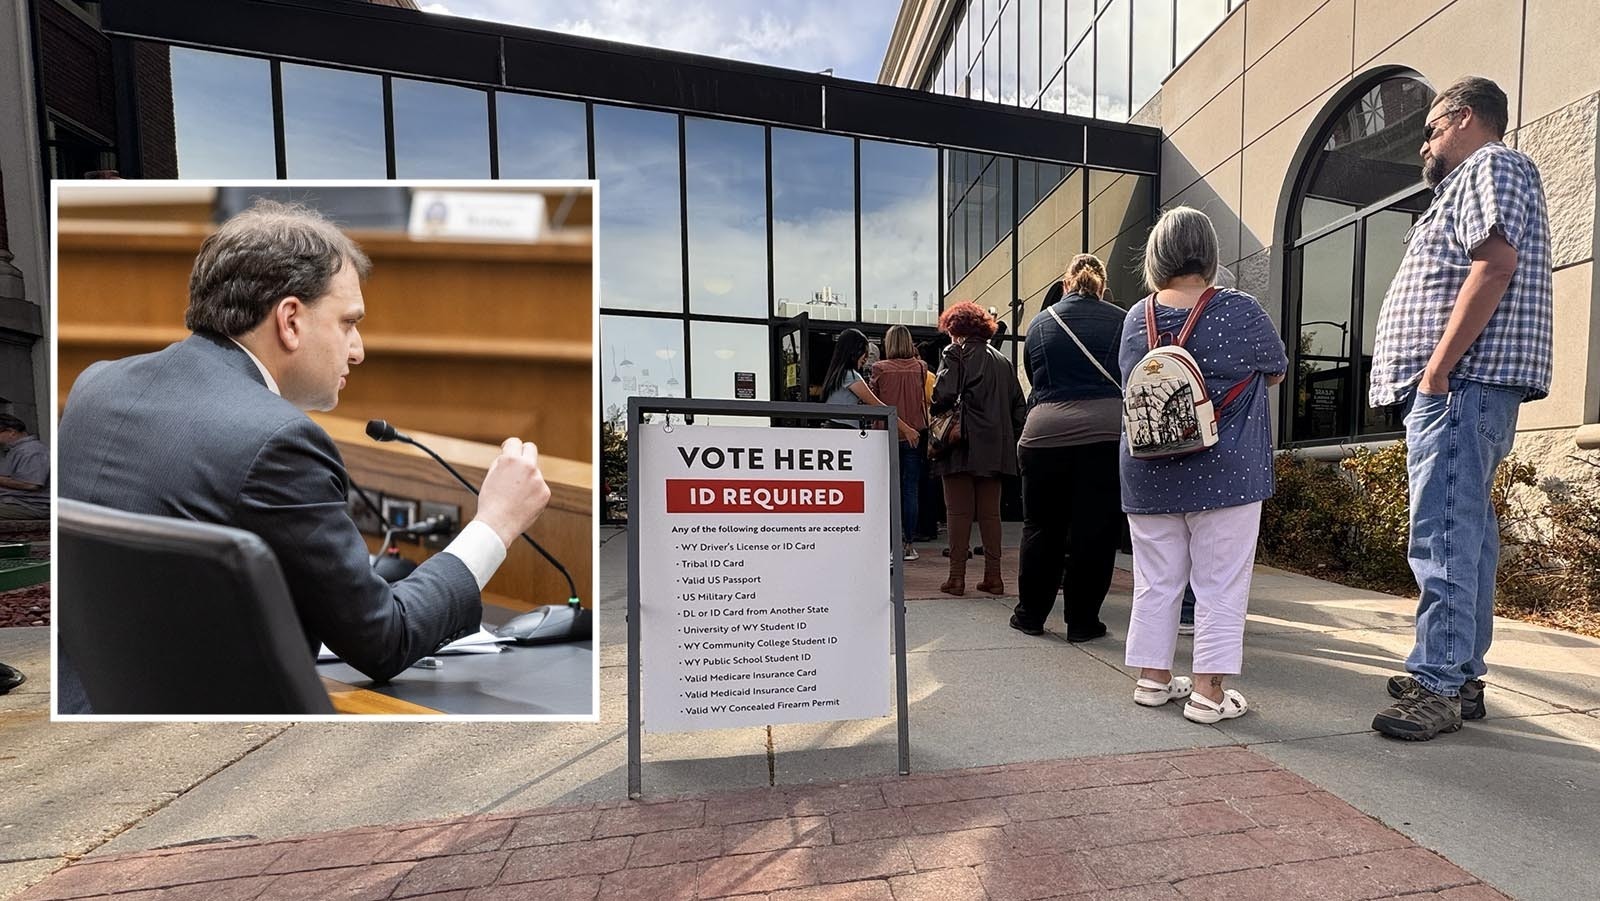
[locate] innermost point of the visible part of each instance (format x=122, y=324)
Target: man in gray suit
x=212, y=429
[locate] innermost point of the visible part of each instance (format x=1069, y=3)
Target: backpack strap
x=1235, y=391
x=1194, y=316
x=1188, y=324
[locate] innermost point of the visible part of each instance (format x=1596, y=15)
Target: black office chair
x=167, y=616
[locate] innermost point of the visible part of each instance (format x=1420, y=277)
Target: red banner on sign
x=764, y=496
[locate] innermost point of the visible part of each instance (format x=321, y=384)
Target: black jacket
x=1057, y=368
x=992, y=409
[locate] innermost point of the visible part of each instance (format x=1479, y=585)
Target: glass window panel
x=1124, y=260
x=720, y=350
x=1324, y=278
x=1052, y=101
x=1027, y=185
x=1080, y=16
x=1386, y=233
x=1152, y=48
x=1052, y=36
x=636, y=162
x=991, y=9
x=963, y=56
x=899, y=232
x=639, y=355
x=991, y=68
x=1028, y=56
x=727, y=197
x=541, y=137
x=1111, y=62
x=1196, y=18
x=975, y=220
x=222, y=115
x=1371, y=151
x=1118, y=202
x=440, y=131
x=333, y=123
x=813, y=222
x=1080, y=81
x=1009, y=67
x=1005, y=177
x=988, y=192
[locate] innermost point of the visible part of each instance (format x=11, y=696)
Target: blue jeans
x=910, y=489
x=1454, y=444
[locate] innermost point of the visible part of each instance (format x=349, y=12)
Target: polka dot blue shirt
x=1234, y=341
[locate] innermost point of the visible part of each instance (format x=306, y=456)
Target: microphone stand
x=380, y=430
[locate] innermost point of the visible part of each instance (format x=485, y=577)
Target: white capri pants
x=1215, y=552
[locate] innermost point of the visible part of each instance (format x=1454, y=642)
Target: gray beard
x=1433, y=171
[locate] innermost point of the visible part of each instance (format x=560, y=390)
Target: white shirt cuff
x=480, y=549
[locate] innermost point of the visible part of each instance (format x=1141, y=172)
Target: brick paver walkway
x=1207, y=823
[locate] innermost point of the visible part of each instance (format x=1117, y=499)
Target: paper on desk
x=480, y=642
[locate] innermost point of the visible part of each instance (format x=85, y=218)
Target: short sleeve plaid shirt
x=1498, y=190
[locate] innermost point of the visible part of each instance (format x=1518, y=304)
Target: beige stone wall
x=1235, y=112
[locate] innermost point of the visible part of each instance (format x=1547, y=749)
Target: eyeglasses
x=1429, y=132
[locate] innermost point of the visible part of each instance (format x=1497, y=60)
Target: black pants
x=1072, y=522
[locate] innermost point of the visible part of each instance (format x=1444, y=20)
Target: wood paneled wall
x=479, y=341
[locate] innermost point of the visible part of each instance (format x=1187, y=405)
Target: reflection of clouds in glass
x=721, y=349
x=813, y=217
x=541, y=137
x=1111, y=44
x=727, y=195
x=1152, y=48
x=1080, y=81
x=332, y=123
x=899, y=227
x=630, y=348
x=222, y=112
x=636, y=160
x=440, y=131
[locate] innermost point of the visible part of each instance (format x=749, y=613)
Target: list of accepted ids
x=763, y=576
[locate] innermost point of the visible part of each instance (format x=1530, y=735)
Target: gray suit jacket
x=193, y=432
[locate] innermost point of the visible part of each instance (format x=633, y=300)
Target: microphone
x=381, y=430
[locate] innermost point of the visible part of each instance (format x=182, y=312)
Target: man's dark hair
x=260, y=256
x=12, y=424
x=1483, y=96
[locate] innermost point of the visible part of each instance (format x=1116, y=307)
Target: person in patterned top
x=1464, y=337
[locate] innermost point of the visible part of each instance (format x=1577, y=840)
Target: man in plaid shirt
x=1465, y=336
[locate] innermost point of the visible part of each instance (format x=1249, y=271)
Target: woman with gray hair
x=1194, y=517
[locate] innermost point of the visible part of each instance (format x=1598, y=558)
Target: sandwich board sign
x=767, y=588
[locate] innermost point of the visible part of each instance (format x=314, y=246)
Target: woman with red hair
x=992, y=412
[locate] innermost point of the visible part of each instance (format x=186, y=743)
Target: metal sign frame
x=640, y=407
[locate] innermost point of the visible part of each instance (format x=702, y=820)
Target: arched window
x=1358, y=194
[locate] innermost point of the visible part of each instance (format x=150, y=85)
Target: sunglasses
x=1429, y=131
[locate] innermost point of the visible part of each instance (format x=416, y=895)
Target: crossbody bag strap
x=1070, y=334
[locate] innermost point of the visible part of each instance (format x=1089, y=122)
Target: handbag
x=944, y=430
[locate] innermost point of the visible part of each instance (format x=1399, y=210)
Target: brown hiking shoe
x=1471, y=695
x=1419, y=715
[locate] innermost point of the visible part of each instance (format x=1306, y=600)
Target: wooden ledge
x=568, y=245
x=555, y=351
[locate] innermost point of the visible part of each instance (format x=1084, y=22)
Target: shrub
x=1305, y=524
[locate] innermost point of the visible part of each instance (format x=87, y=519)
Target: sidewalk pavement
x=1512, y=799
x=1190, y=824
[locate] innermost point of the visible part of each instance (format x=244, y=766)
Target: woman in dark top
x=1071, y=505
x=992, y=412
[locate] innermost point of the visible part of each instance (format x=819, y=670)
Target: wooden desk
x=350, y=699
x=525, y=580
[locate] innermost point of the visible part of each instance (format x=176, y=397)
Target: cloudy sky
x=850, y=36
